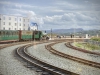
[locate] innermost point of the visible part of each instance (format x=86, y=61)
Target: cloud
x=19, y=5
x=30, y=14
x=16, y=14
x=82, y=17
x=56, y=13
x=34, y=18
x=69, y=20
x=68, y=16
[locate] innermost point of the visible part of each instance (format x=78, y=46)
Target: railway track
x=43, y=66
x=11, y=44
x=15, y=42
x=80, y=49
x=80, y=60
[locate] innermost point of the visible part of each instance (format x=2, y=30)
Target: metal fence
x=93, y=42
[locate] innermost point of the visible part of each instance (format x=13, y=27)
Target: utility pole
x=17, y=22
x=0, y=23
x=37, y=27
x=51, y=33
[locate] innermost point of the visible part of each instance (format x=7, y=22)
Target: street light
x=17, y=22
x=0, y=23
x=51, y=33
x=37, y=27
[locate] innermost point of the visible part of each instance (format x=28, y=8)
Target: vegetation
x=87, y=46
x=96, y=39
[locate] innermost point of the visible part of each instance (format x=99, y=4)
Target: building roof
x=33, y=24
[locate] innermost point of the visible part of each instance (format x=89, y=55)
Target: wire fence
x=93, y=42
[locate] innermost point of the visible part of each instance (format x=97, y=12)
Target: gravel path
x=9, y=65
x=62, y=48
x=40, y=52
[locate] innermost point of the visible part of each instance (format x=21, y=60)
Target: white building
x=33, y=26
x=13, y=22
x=26, y=23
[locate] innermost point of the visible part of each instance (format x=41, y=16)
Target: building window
x=3, y=28
x=3, y=18
x=20, y=28
x=9, y=23
x=24, y=20
x=20, y=19
x=24, y=24
x=3, y=23
x=9, y=18
x=20, y=24
x=15, y=19
x=15, y=24
x=24, y=28
x=15, y=28
x=28, y=20
x=9, y=28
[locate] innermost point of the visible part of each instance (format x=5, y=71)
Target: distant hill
x=93, y=32
x=72, y=30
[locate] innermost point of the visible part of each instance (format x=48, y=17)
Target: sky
x=56, y=14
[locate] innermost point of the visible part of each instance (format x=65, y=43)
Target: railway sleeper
x=45, y=69
x=90, y=63
x=46, y=73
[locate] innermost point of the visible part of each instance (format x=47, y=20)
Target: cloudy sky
x=56, y=14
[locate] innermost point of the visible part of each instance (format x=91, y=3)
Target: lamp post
x=37, y=26
x=0, y=23
x=17, y=22
x=51, y=33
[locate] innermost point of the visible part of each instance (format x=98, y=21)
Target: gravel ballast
x=62, y=48
x=9, y=65
x=40, y=52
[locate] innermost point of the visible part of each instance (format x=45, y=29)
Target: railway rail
x=80, y=60
x=4, y=45
x=43, y=66
x=80, y=49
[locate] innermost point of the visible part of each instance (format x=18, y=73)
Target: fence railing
x=92, y=42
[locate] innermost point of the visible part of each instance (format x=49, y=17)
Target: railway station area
x=49, y=37
x=36, y=53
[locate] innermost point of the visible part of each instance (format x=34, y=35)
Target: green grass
x=87, y=46
x=96, y=39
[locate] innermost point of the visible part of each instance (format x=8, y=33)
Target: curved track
x=80, y=60
x=43, y=66
x=80, y=49
x=10, y=44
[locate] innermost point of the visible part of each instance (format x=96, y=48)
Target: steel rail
x=80, y=49
x=80, y=60
x=44, y=66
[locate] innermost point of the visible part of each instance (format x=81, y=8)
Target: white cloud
x=19, y=5
x=16, y=14
x=57, y=14
x=82, y=17
x=30, y=14
x=58, y=10
x=68, y=16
